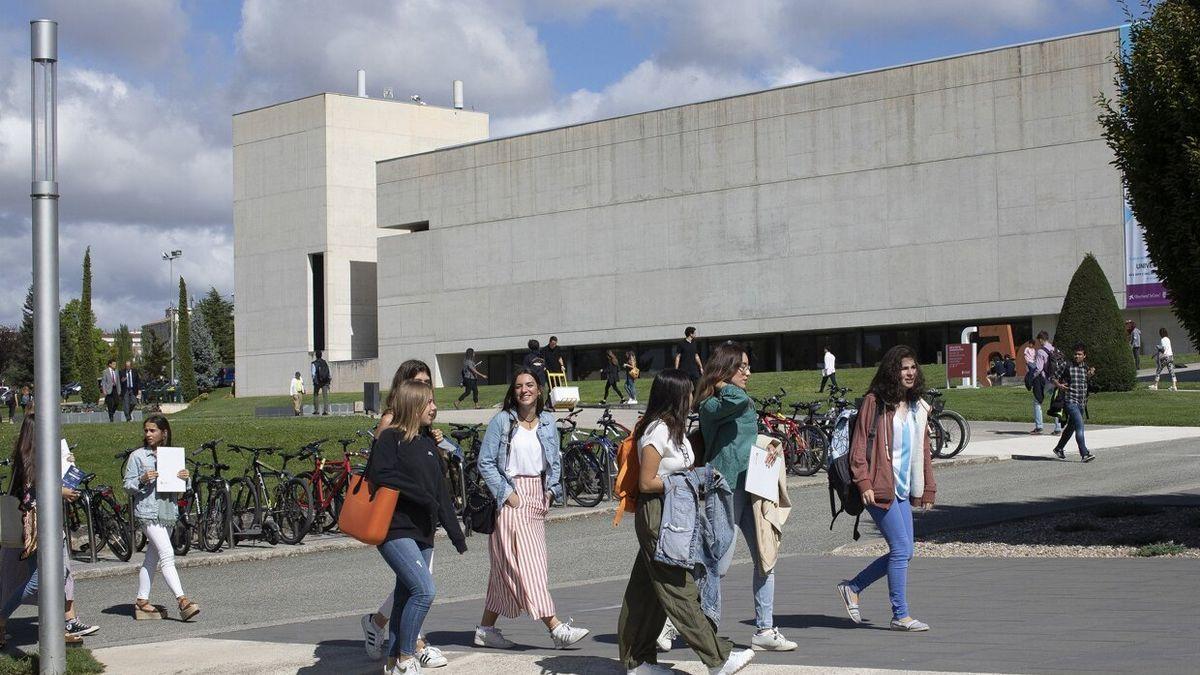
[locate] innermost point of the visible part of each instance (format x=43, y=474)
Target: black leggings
x=611, y=384
x=470, y=387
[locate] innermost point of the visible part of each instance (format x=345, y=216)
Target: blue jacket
x=697, y=530
x=148, y=505
x=493, y=454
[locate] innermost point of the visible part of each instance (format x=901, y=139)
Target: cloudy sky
x=147, y=89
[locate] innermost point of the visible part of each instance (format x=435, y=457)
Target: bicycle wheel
x=293, y=510
x=76, y=518
x=584, y=478
x=812, y=458
x=211, y=529
x=958, y=432
x=115, y=528
x=937, y=438
x=332, y=496
x=245, y=511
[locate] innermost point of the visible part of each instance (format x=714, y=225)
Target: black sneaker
x=1087, y=458
x=1059, y=453
x=77, y=628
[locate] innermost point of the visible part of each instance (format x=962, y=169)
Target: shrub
x=1161, y=548
x=1090, y=315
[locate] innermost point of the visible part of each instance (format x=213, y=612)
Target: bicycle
x=137, y=538
x=475, y=493
x=98, y=509
x=214, y=522
x=582, y=478
x=283, y=514
x=949, y=431
x=328, y=481
x=799, y=458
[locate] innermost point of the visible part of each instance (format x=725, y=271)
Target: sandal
x=144, y=611
x=187, y=609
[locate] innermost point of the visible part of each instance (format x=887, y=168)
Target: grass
x=79, y=662
x=1160, y=548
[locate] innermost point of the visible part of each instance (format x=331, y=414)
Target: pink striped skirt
x=519, y=576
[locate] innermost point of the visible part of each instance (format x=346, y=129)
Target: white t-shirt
x=675, y=458
x=1165, y=345
x=525, y=456
x=830, y=364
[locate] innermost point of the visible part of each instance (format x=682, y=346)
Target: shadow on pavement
x=816, y=621
x=341, y=657
x=465, y=638
x=579, y=665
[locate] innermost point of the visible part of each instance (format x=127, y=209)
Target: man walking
x=321, y=379
x=1135, y=341
x=110, y=386
x=131, y=389
x=1072, y=380
x=536, y=363
x=687, y=356
x=298, y=394
x=553, y=357
x=829, y=371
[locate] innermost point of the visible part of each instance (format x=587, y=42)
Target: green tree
x=205, y=360
x=184, y=368
x=1090, y=315
x=123, y=341
x=218, y=314
x=68, y=342
x=10, y=346
x=156, y=358
x=87, y=366
x=1153, y=129
x=20, y=369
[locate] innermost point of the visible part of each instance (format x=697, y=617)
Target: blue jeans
x=25, y=588
x=764, y=584
x=1074, y=423
x=631, y=388
x=896, y=526
x=413, y=595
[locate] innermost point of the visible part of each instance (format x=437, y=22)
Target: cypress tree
x=184, y=369
x=87, y=369
x=205, y=359
x=1090, y=315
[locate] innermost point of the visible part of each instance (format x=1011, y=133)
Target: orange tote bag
x=367, y=511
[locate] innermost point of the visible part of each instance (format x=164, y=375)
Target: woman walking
x=470, y=379
x=612, y=375
x=1164, y=359
x=520, y=463
x=659, y=592
x=405, y=458
x=156, y=514
x=729, y=426
x=894, y=474
x=631, y=375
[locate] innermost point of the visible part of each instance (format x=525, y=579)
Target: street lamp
x=170, y=257
x=43, y=54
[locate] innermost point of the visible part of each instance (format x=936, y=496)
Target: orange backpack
x=629, y=467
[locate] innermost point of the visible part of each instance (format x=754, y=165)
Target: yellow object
x=556, y=379
x=562, y=396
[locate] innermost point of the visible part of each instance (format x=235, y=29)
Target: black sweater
x=415, y=469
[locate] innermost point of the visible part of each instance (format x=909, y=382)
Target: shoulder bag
x=367, y=511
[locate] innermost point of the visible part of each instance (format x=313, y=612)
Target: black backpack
x=323, y=377
x=842, y=488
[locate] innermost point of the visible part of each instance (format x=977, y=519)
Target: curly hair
x=886, y=384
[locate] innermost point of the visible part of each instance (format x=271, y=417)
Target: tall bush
x=184, y=368
x=1090, y=315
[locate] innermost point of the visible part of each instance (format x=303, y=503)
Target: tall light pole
x=44, y=193
x=170, y=257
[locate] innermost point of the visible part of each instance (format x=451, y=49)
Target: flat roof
x=356, y=96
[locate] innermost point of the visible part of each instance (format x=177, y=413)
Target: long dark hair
x=886, y=384
x=24, y=466
x=510, y=396
x=408, y=370
x=161, y=422
x=670, y=399
x=723, y=363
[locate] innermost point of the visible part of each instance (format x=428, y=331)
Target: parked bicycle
x=213, y=517
x=949, y=432
x=799, y=458
x=281, y=511
x=98, y=513
x=328, y=481
x=583, y=477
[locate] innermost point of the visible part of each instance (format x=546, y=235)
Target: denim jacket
x=493, y=454
x=148, y=505
x=697, y=530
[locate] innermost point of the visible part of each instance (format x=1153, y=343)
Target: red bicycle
x=803, y=444
x=329, y=479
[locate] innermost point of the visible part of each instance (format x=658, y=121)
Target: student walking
x=297, y=393
x=520, y=463
x=632, y=373
x=612, y=375
x=1164, y=358
x=156, y=513
x=1072, y=379
x=321, y=379
x=729, y=426
x=891, y=463
x=687, y=356
x=658, y=592
x=470, y=379
x=828, y=371
x=1135, y=343
x=406, y=459
x=1045, y=360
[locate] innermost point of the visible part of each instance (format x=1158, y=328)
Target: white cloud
x=148, y=33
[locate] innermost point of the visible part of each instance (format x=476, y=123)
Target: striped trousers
x=517, y=547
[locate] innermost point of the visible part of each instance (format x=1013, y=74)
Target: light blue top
x=903, y=430
x=493, y=454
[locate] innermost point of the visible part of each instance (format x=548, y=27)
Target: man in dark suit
x=131, y=389
x=110, y=386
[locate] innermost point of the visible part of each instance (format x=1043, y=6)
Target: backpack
x=629, y=468
x=842, y=488
x=323, y=377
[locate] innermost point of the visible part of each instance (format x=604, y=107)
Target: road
x=315, y=599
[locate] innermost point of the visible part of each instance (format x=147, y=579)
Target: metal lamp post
x=170, y=257
x=44, y=193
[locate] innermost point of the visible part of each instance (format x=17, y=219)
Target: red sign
x=958, y=360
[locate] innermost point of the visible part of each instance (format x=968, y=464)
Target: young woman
x=406, y=459
x=1164, y=359
x=630, y=381
x=20, y=572
x=729, y=426
x=658, y=592
x=470, y=379
x=894, y=475
x=156, y=515
x=520, y=463
x=612, y=374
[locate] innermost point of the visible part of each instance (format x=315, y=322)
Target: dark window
x=316, y=262
x=410, y=227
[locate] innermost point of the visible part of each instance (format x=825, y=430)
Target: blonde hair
x=408, y=403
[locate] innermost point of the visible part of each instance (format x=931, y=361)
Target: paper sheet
x=761, y=479
x=170, y=463
x=64, y=450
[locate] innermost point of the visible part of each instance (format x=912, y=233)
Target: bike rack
x=87, y=503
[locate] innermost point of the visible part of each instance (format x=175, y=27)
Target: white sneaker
x=491, y=637
x=667, y=636
x=431, y=657
x=1153, y=386
x=735, y=662
x=650, y=669
x=771, y=640
x=1174, y=388
x=632, y=401
x=374, y=638
x=408, y=666
x=565, y=635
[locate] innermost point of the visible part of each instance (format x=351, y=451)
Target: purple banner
x=1145, y=295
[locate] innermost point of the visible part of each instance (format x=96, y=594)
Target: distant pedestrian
x=405, y=458
x=26, y=399
x=552, y=355
x=536, y=363
x=110, y=386
x=1010, y=366
x=1164, y=359
x=612, y=372
x=828, y=371
x=470, y=378
x=894, y=475
x=1071, y=379
x=520, y=463
x=321, y=379
x=156, y=514
x=1046, y=360
x=687, y=355
x=1135, y=343
x=8, y=397
x=632, y=373
x=729, y=425
x=297, y=394
x=131, y=389
x=658, y=592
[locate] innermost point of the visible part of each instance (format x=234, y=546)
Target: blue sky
x=147, y=89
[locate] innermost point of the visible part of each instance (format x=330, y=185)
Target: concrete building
x=304, y=228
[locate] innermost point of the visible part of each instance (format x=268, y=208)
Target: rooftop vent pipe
x=458, y=95
x=362, y=83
